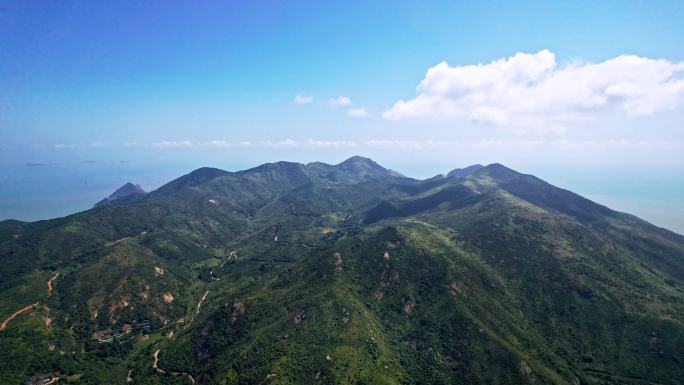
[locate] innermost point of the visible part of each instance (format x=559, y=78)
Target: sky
x=587, y=95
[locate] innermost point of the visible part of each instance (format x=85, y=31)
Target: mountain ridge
x=348, y=273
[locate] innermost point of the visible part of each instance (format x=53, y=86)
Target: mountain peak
x=194, y=178
x=497, y=170
x=124, y=194
x=463, y=172
x=365, y=167
x=360, y=160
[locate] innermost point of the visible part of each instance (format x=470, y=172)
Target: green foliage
x=491, y=278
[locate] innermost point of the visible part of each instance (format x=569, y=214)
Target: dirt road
x=49, y=284
x=3, y=325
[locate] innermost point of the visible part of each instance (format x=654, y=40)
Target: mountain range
x=289, y=273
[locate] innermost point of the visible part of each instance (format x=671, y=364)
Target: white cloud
x=331, y=143
x=600, y=145
x=280, y=144
x=302, y=99
x=225, y=144
x=358, y=112
x=173, y=144
x=532, y=91
x=133, y=144
x=81, y=145
x=409, y=144
x=340, y=101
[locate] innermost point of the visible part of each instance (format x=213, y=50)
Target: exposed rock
x=455, y=289
x=409, y=306
x=336, y=261
x=386, y=256
x=379, y=293
x=145, y=293
x=238, y=310
x=158, y=270
x=575, y=380
x=298, y=317
x=346, y=316
x=168, y=298
x=525, y=369
x=239, y=307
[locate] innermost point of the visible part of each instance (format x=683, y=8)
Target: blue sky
x=595, y=90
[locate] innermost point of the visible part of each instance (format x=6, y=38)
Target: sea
x=36, y=191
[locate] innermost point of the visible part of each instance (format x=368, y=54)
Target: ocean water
x=31, y=191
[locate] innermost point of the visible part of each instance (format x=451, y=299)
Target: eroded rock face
x=336, y=261
x=386, y=256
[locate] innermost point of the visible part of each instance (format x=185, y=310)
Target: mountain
x=463, y=172
x=127, y=193
x=343, y=274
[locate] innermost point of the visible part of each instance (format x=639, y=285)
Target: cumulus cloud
x=534, y=91
x=358, y=112
x=339, y=101
x=302, y=99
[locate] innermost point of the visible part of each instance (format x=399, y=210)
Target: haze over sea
x=34, y=191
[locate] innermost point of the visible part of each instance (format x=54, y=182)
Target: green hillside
x=344, y=274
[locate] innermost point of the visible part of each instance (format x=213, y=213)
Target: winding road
x=4, y=323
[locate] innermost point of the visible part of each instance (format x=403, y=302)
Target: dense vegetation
x=344, y=274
